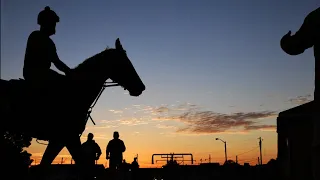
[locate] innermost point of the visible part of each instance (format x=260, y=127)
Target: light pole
x=225, y=148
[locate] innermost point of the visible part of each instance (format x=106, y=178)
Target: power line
x=249, y=160
x=248, y=151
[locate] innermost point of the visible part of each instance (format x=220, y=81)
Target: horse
x=59, y=113
x=307, y=36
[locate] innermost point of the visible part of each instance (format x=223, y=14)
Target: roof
x=304, y=109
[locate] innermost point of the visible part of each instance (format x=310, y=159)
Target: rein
x=106, y=84
x=95, y=101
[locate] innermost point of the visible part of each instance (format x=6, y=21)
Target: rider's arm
x=56, y=60
x=60, y=65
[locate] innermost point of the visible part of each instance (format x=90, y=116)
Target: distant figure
x=134, y=164
x=91, y=150
x=41, y=52
x=114, y=151
x=125, y=165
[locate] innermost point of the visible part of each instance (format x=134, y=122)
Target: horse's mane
x=91, y=62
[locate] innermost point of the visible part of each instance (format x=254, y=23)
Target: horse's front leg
x=53, y=149
x=74, y=148
x=51, y=152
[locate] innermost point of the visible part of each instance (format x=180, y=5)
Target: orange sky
x=201, y=146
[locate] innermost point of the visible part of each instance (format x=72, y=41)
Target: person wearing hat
x=41, y=51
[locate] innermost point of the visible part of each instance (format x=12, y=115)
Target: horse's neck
x=91, y=75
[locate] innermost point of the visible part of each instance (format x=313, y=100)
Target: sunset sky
x=211, y=69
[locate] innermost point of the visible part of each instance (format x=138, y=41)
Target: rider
x=41, y=51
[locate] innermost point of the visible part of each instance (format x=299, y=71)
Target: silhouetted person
x=41, y=52
x=114, y=151
x=91, y=152
x=135, y=164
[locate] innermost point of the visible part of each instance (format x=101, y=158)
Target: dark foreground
x=68, y=172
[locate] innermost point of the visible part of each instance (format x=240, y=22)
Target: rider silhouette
x=41, y=51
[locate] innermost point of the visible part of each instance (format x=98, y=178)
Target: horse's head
x=123, y=72
x=304, y=38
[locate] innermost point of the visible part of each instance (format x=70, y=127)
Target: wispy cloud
x=264, y=127
x=161, y=126
x=132, y=121
x=116, y=111
x=202, y=122
x=189, y=118
x=301, y=99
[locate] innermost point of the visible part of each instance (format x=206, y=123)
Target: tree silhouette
x=15, y=158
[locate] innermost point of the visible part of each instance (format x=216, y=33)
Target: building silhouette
x=295, y=135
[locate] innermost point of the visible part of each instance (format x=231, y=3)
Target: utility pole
x=260, y=145
x=225, y=151
x=237, y=159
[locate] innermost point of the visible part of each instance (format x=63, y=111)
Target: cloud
x=104, y=127
x=116, y=111
x=261, y=127
x=301, y=99
x=132, y=121
x=209, y=122
x=161, y=126
x=161, y=109
x=189, y=118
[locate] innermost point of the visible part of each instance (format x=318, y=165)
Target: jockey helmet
x=47, y=16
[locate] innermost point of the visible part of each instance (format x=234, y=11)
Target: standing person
x=91, y=152
x=114, y=151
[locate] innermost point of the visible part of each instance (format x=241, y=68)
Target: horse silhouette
x=306, y=37
x=59, y=114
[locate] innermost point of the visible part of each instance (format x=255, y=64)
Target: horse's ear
x=118, y=44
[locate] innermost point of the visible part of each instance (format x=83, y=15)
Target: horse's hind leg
x=74, y=148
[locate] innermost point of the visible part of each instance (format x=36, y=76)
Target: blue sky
x=222, y=56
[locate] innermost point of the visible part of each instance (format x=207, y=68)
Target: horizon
x=218, y=62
